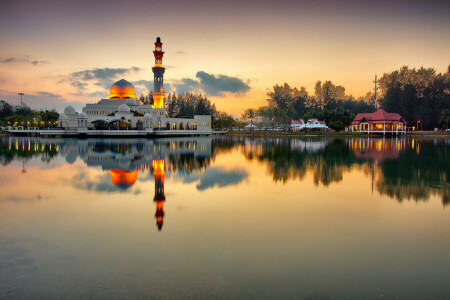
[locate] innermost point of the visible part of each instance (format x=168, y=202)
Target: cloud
x=181, y=52
x=215, y=85
x=40, y=100
x=102, y=74
x=186, y=85
x=219, y=177
x=212, y=85
x=25, y=59
x=147, y=84
x=48, y=94
x=143, y=86
x=215, y=176
x=101, y=77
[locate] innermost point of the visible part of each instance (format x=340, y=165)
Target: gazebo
x=379, y=122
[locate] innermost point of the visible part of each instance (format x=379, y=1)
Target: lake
x=225, y=217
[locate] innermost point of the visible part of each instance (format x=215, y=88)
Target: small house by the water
x=379, y=122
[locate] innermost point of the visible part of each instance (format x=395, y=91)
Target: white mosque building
x=123, y=115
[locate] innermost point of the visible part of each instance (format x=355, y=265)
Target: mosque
x=123, y=115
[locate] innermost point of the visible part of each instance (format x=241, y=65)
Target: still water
x=225, y=217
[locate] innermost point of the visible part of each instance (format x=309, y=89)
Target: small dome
x=82, y=116
x=69, y=110
x=147, y=116
x=122, y=90
x=124, y=108
x=62, y=117
x=131, y=102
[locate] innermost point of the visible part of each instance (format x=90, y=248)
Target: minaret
x=159, y=174
x=158, y=71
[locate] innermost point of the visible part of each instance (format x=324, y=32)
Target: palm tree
x=444, y=118
x=251, y=114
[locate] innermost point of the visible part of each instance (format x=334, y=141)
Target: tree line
x=25, y=116
x=418, y=95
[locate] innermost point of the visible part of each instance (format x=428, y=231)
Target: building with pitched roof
x=379, y=122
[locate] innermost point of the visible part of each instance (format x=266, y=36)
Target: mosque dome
x=123, y=178
x=69, y=110
x=82, y=115
x=131, y=102
x=62, y=117
x=147, y=116
x=124, y=108
x=122, y=90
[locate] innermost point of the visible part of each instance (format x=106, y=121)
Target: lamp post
x=21, y=103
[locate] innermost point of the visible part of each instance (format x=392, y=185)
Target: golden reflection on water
x=239, y=218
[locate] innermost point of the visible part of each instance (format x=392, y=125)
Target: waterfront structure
x=121, y=114
x=380, y=122
x=298, y=125
x=315, y=124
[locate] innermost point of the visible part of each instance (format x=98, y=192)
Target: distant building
x=316, y=124
x=298, y=125
x=250, y=126
x=379, y=122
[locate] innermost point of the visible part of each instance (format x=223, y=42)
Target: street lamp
x=21, y=103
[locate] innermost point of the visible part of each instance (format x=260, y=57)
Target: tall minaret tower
x=158, y=71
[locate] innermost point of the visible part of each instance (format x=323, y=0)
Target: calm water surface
x=213, y=218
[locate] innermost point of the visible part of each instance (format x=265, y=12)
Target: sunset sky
x=60, y=52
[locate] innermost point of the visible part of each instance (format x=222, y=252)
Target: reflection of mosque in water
x=123, y=159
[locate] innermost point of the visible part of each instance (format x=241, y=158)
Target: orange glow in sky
x=52, y=45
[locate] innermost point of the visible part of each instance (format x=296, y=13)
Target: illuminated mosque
x=122, y=114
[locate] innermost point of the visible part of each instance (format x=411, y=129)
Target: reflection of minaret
x=159, y=174
x=158, y=78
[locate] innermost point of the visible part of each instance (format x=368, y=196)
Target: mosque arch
x=140, y=124
x=181, y=127
x=188, y=126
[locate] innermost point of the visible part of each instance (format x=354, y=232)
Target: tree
x=251, y=114
x=444, y=118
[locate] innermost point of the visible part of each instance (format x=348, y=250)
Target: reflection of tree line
x=417, y=173
x=404, y=168
x=419, y=168
x=25, y=149
x=285, y=164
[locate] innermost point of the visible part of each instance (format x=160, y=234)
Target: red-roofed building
x=316, y=124
x=379, y=122
x=298, y=125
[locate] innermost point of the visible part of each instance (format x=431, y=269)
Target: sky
x=70, y=52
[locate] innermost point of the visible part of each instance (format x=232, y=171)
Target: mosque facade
x=123, y=114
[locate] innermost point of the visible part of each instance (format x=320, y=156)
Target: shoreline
x=332, y=134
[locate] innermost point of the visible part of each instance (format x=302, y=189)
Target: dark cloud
x=49, y=95
x=101, y=77
x=219, y=177
x=213, y=177
x=212, y=85
x=147, y=84
x=186, y=85
x=215, y=85
x=25, y=59
x=102, y=74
